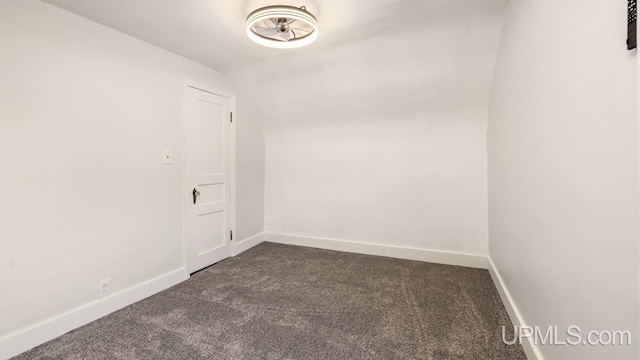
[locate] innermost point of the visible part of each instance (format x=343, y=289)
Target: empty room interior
x=319, y=179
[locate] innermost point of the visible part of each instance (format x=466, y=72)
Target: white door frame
x=188, y=83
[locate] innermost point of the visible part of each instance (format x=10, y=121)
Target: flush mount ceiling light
x=282, y=26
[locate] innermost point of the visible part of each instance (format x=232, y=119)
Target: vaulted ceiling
x=373, y=59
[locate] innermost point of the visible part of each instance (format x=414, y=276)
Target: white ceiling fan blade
x=266, y=32
x=300, y=30
x=286, y=35
x=269, y=22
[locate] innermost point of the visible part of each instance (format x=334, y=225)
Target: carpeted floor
x=286, y=302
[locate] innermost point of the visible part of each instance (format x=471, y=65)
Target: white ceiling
x=422, y=56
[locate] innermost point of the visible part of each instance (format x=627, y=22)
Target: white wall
x=381, y=138
x=250, y=168
x=419, y=70
x=563, y=170
x=85, y=113
x=407, y=183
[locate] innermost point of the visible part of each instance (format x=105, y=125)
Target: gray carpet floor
x=287, y=302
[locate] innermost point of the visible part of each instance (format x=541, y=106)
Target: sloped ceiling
x=388, y=58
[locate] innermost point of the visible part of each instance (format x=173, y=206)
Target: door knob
x=195, y=194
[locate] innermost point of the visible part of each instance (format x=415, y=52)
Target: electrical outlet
x=104, y=287
x=269, y=220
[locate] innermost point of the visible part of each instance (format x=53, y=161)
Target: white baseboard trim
x=32, y=336
x=246, y=244
x=530, y=348
x=400, y=252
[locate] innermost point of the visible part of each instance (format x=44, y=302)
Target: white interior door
x=208, y=178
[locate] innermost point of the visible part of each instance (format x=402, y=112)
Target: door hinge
x=231, y=117
x=231, y=236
